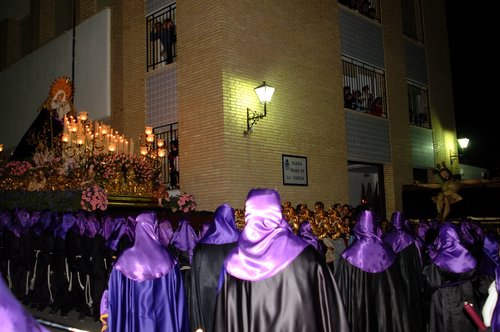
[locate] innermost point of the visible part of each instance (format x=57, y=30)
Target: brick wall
x=43, y=22
x=10, y=43
x=128, y=64
x=222, y=57
x=441, y=98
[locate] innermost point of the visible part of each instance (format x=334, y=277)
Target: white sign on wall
x=294, y=170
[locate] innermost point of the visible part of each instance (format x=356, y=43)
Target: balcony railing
x=418, y=102
x=364, y=88
x=157, y=39
x=368, y=8
x=170, y=166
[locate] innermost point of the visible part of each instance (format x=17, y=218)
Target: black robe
x=411, y=269
x=302, y=298
x=43, y=134
x=205, y=270
x=448, y=291
x=373, y=301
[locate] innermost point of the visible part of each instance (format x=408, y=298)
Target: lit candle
x=66, y=123
x=148, y=130
x=112, y=147
x=160, y=142
x=83, y=116
x=65, y=138
x=161, y=153
x=144, y=150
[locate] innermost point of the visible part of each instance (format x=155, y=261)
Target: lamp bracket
x=453, y=157
x=253, y=117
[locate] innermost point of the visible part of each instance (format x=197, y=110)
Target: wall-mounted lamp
x=463, y=143
x=265, y=94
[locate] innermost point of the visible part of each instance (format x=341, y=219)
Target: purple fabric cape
x=68, y=221
x=165, y=232
x=423, y=227
x=92, y=226
x=13, y=316
x=223, y=228
x=147, y=259
x=451, y=255
x=119, y=227
x=490, y=260
x=266, y=245
x=470, y=233
x=81, y=222
x=151, y=305
x=185, y=238
x=204, y=228
x=369, y=253
x=399, y=236
x=306, y=234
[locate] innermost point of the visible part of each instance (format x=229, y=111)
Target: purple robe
x=146, y=291
x=13, y=316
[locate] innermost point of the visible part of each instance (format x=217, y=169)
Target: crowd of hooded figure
x=266, y=274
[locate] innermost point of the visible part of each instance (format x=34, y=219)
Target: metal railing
x=155, y=54
x=368, y=8
x=364, y=88
x=169, y=133
x=418, y=103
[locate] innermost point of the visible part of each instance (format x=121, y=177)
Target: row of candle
x=96, y=137
x=100, y=138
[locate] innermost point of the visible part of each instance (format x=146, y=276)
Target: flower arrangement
x=15, y=168
x=109, y=173
x=184, y=202
x=93, y=198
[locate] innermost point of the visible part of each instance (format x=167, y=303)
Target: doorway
x=366, y=187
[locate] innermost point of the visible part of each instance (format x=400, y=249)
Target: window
x=364, y=88
x=160, y=41
x=418, y=102
x=411, y=11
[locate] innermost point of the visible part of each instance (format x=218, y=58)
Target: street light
x=463, y=143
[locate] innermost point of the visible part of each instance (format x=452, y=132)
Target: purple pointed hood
x=185, y=238
x=450, y=254
x=223, y=228
x=267, y=245
x=147, y=259
x=369, y=253
x=306, y=234
x=399, y=235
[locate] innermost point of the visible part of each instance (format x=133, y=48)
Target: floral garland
x=184, y=202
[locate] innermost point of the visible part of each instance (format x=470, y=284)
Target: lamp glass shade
x=264, y=92
x=463, y=142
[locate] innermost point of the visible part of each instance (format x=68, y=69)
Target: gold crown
x=62, y=83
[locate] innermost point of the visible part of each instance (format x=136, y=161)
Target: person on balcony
x=168, y=37
x=173, y=164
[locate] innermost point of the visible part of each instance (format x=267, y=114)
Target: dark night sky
x=475, y=96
